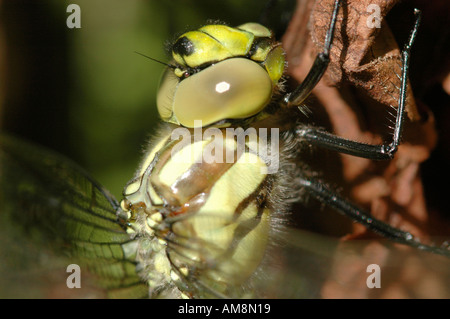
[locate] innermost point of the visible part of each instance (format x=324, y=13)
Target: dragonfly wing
x=303, y=264
x=49, y=204
x=310, y=265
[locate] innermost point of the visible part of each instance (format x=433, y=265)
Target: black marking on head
x=259, y=42
x=183, y=46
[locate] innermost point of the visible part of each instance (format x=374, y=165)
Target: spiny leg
x=321, y=138
x=378, y=152
x=319, y=66
x=330, y=198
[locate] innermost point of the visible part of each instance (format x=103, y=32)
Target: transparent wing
x=310, y=265
x=302, y=264
x=53, y=215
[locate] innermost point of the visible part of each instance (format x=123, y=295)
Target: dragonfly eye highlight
x=236, y=88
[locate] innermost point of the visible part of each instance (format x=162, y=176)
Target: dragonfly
x=205, y=229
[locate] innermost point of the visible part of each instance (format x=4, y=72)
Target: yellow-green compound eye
x=166, y=94
x=232, y=89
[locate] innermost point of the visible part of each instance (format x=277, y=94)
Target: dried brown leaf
x=360, y=84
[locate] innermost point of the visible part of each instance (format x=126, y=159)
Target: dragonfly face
x=205, y=214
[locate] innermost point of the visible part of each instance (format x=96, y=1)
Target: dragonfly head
x=221, y=73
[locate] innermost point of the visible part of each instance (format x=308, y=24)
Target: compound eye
x=232, y=89
x=166, y=94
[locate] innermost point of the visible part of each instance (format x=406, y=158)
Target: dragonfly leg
x=329, y=197
x=321, y=138
x=319, y=66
